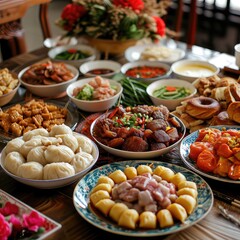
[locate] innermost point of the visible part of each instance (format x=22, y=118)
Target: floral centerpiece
x=116, y=19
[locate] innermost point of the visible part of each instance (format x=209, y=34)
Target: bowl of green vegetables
x=74, y=55
x=170, y=92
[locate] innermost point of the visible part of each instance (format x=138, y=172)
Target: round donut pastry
x=202, y=107
x=221, y=119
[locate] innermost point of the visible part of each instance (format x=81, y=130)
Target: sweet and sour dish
x=218, y=152
x=143, y=197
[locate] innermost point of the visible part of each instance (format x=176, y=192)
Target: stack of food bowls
x=146, y=71
x=94, y=105
x=49, y=88
x=190, y=70
x=170, y=92
x=74, y=55
x=104, y=68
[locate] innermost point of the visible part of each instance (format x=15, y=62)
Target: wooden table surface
x=58, y=203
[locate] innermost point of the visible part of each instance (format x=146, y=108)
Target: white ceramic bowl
x=171, y=104
x=59, y=41
x=77, y=63
x=113, y=66
x=96, y=105
x=137, y=155
x=190, y=70
x=55, y=183
x=52, y=90
x=6, y=98
x=130, y=65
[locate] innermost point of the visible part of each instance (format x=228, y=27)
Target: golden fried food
x=19, y=119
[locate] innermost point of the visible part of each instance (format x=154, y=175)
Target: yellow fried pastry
x=147, y=220
x=117, y=210
x=128, y=218
x=105, y=179
x=188, y=202
x=177, y=211
x=165, y=218
x=99, y=195
x=118, y=176
x=130, y=172
x=105, y=205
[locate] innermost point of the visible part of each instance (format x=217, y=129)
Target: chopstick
x=228, y=215
x=226, y=199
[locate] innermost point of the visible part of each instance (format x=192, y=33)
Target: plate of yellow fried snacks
x=142, y=198
x=22, y=117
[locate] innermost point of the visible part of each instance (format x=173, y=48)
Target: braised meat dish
x=138, y=129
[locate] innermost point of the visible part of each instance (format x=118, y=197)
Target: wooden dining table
x=58, y=205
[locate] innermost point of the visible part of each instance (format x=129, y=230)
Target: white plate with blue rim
x=88, y=182
x=185, y=149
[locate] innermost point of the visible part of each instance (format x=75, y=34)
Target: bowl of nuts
x=9, y=85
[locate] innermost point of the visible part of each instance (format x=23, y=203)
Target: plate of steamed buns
x=52, y=159
x=142, y=198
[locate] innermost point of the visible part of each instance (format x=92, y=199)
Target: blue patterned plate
x=185, y=149
x=86, y=184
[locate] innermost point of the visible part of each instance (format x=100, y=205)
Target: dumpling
x=27, y=146
x=57, y=170
x=37, y=155
x=46, y=141
x=70, y=141
x=81, y=161
x=84, y=143
x=14, y=145
x=59, y=130
x=31, y=170
x=12, y=162
x=40, y=131
x=59, y=153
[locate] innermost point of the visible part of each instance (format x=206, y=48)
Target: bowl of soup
x=190, y=70
x=104, y=68
x=146, y=71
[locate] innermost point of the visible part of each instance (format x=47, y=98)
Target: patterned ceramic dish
x=184, y=152
x=50, y=225
x=88, y=182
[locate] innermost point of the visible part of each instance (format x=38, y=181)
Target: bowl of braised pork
x=48, y=79
x=140, y=132
x=146, y=71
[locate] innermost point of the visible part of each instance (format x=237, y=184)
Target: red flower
x=9, y=209
x=134, y=4
x=160, y=26
x=5, y=229
x=33, y=221
x=71, y=13
x=16, y=223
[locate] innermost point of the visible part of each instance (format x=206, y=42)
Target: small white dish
x=154, y=64
x=76, y=63
x=133, y=54
x=87, y=68
x=171, y=104
x=94, y=105
x=190, y=70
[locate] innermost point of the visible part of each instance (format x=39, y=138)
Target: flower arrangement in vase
x=120, y=21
